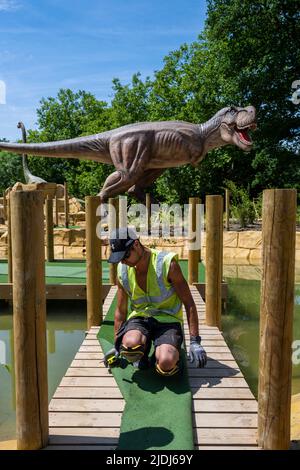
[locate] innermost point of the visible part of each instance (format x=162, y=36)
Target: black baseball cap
x=120, y=240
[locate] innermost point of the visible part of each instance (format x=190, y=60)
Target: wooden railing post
x=193, y=255
x=29, y=318
x=66, y=204
x=49, y=229
x=148, y=212
x=113, y=223
x=276, y=318
x=123, y=211
x=227, y=204
x=93, y=264
x=9, y=253
x=214, y=259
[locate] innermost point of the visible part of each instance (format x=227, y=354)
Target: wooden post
x=193, y=255
x=4, y=206
x=113, y=223
x=276, y=318
x=49, y=229
x=214, y=259
x=9, y=253
x=123, y=211
x=227, y=204
x=56, y=211
x=66, y=205
x=93, y=264
x=29, y=318
x=148, y=212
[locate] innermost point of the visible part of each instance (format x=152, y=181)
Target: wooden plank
x=216, y=382
x=90, y=348
x=88, y=382
x=84, y=419
x=225, y=406
x=86, y=404
x=89, y=356
x=224, y=436
x=206, y=372
x=56, y=291
x=67, y=435
x=225, y=420
x=221, y=393
x=80, y=447
x=241, y=447
x=88, y=392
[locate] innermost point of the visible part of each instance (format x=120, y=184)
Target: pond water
x=240, y=323
x=66, y=324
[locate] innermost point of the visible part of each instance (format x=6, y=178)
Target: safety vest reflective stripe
x=164, y=292
x=174, y=311
x=125, y=280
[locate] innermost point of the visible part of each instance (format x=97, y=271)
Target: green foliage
x=10, y=170
x=242, y=208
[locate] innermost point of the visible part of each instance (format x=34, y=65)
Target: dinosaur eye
x=232, y=110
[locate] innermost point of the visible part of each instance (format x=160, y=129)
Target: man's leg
x=167, y=342
x=167, y=357
x=133, y=340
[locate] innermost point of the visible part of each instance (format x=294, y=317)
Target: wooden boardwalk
x=86, y=409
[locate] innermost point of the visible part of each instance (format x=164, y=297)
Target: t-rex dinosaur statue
x=141, y=152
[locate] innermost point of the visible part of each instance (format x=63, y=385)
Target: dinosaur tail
x=86, y=148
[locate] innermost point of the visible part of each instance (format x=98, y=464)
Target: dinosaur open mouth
x=243, y=133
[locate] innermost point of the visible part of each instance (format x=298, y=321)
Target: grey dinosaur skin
x=141, y=152
x=29, y=177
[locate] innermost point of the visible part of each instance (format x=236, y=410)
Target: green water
x=240, y=326
x=66, y=323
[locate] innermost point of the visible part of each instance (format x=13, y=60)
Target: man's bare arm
x=176, y=278
x=121, y=309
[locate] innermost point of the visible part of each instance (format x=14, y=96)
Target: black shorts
x=158, y=332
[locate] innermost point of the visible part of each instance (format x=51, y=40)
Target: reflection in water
x=66, y=324
x=241, y=321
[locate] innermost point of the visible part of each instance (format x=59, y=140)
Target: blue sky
x=46, y=45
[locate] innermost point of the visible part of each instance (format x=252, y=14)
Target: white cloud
x=9, y=5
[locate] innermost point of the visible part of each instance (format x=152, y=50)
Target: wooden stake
x=123, y=211
x=193, y=255
x=9, y=253
x=29, y=317
x=113, y=223
x=214, y=259
x=56, y=211
x=93, y=264
x=227, y=202
x=66, y=205
x=276, y=318
x=49, y=229
x=148, y=212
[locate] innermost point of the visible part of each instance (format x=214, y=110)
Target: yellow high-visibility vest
x=160, y=301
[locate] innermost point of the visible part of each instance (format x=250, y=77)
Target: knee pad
x=167, y=373
x=132, y=354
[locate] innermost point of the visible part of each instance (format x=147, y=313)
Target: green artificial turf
x=158, y=410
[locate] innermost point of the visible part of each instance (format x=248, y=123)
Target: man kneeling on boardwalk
x=156, y=288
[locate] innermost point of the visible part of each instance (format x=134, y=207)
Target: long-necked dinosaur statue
x=29, y=177
x=141, y=152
